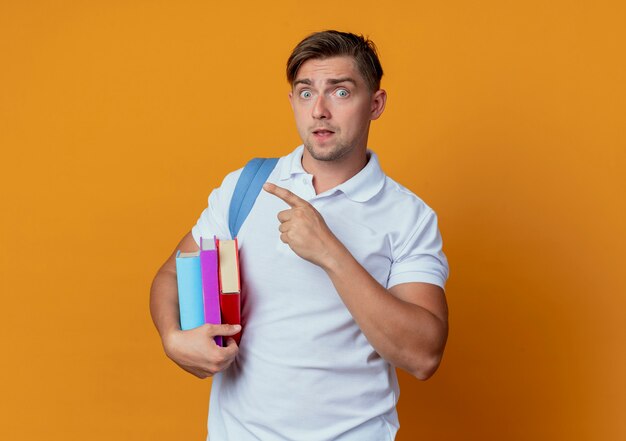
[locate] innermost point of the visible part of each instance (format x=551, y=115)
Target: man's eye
x=342, y=93
x=305, y=94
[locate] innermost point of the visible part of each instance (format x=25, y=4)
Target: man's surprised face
x=333, y=107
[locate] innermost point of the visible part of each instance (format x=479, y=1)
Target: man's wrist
x=336, y=253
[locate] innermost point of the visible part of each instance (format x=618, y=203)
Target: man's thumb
x=224, y=330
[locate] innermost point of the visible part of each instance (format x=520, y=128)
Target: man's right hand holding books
x=196, y=352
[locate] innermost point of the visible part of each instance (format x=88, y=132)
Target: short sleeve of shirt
x=214, y=218
x=421, y=258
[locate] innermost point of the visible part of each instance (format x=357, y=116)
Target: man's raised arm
x=407, y=324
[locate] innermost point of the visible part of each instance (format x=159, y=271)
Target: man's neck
x=329, y=174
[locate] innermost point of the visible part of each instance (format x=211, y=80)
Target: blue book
x=190, y=302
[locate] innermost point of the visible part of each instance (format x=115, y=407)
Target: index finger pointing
x=291, y=199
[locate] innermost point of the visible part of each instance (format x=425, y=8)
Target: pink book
x=210, y=284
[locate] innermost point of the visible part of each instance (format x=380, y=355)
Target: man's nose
x=320, y=108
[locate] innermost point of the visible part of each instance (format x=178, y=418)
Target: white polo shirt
x=305, y=371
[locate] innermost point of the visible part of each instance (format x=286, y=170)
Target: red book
x=230, y=283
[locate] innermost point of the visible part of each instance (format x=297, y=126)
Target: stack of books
x=209, y=286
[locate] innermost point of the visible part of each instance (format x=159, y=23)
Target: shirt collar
x=361, y=187
x=292, y=164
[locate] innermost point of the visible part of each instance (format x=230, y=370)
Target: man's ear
x=379, y=99
x=290, y=96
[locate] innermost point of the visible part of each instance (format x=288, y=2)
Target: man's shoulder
x=230, y=180
x=396, y=193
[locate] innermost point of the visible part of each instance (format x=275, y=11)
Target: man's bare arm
x=194, y=350
x=407, y=324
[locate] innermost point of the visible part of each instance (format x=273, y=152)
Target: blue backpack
x=248, y=187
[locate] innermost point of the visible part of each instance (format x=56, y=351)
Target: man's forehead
x=328, y=69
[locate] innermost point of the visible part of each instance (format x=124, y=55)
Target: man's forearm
x=396, y=322
x=405, y=334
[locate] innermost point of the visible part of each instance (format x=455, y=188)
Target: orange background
x=117, y=118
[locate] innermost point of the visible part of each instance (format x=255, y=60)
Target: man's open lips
x=322, y=132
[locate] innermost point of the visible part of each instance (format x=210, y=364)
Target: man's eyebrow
x=302, y=81
x=342, y=80
x=332, y=81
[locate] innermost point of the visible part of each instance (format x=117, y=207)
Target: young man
x=343, y=273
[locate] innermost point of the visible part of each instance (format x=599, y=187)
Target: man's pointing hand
x=303, y=228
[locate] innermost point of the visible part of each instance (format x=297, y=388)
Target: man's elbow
x=426, y=367
x=427, y=359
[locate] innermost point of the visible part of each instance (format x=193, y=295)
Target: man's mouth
x=322, y=132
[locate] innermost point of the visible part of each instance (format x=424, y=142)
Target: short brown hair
x=330, y=43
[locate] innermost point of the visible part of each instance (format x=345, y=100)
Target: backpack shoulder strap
x=248, y=187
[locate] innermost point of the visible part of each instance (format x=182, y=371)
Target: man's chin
x=325, y=153
x=319, y=153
